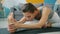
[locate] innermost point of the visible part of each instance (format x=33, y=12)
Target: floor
x=3, y=23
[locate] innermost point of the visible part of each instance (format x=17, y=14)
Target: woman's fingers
x=11, y=28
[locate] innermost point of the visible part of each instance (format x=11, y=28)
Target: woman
x=44, y=15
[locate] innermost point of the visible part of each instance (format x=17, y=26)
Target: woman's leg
x=56, y=20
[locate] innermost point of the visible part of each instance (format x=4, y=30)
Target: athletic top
x=39, y=16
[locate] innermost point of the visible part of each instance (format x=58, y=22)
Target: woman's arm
x=22, y=20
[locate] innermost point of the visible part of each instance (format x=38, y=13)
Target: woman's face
x=29, y=16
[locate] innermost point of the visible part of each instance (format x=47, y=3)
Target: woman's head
x=29, y=11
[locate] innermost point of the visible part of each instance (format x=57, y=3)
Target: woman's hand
x=11, y=28
x=47, y=25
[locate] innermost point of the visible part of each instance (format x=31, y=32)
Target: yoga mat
x=31, y=31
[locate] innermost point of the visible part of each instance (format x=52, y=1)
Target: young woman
x=44, y=15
